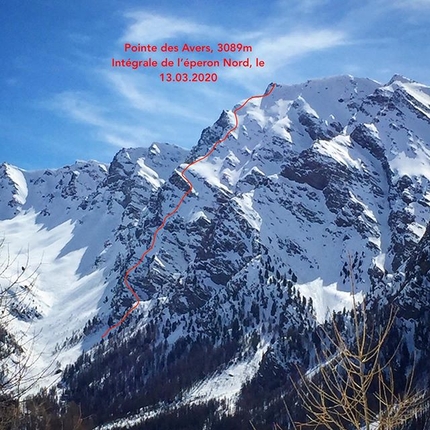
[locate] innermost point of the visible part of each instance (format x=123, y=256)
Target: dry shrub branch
x=354, y=383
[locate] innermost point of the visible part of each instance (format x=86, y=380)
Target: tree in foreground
x=16, y=366
x=18, y=374
x=355, y=385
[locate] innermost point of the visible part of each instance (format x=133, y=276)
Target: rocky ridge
x=317, y=175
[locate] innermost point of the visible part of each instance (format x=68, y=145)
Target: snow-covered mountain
x=318, y=177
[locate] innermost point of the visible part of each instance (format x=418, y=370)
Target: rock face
x=315, y=176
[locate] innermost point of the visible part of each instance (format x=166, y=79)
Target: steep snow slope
x=318, y=177
x=310, y=186
x=63, y=227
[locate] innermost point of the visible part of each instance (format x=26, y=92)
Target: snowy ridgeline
x=317, y=179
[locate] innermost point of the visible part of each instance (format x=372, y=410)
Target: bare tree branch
x=354, y=387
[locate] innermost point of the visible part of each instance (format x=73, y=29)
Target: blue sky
x=61, y=100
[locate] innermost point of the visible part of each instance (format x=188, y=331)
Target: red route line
x=154, y=237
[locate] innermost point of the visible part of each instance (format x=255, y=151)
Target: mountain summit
x=317, y=178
